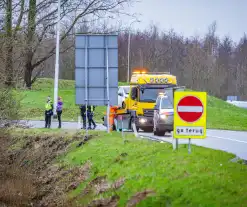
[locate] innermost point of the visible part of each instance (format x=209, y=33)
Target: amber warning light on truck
x=140, y=70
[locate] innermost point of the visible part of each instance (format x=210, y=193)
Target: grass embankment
x=34, y=100
x=203, y=178
x=221, y=115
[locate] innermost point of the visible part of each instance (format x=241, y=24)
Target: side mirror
x=133, y=97
x=120, y=94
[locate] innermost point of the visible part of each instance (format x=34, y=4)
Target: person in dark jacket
x=83, y=115
x=90, y=114
x=59, y=111
x=48, y=112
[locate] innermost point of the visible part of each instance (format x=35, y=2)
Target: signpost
x=190, y=115
x=96, y=70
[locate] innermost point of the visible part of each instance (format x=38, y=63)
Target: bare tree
x=45, y=20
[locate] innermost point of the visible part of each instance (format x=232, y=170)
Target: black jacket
x=83, y=109
x=89, y=109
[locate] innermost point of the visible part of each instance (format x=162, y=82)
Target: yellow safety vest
x=48, y=106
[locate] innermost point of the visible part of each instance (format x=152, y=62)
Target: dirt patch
x=29, y=175
x=107, y=202
x=139, y=197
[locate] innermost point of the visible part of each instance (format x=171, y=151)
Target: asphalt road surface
x=230, y=141
x=54, y=125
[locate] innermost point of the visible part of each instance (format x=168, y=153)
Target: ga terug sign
x=190, y=114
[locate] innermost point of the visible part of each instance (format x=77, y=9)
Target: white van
x=123, y=93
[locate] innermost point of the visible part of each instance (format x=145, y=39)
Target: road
x=230, y=141
x=54, y=125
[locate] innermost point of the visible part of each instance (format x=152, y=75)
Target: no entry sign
x=190, y=114
x=190, y=108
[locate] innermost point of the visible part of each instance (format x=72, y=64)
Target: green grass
x=203, y=178
x=221, y=115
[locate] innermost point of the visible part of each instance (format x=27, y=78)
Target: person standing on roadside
x=59, y=111
x=90, y=114
x=48, y=112
x=83, y=115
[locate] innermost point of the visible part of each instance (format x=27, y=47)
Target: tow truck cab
x=144, y=90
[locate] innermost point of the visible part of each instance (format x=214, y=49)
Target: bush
x=9, y=106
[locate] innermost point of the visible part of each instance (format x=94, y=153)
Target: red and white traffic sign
x=190, y=108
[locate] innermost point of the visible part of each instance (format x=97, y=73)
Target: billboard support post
x=86, y=83
x=107, y=88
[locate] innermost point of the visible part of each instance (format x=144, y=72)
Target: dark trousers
x=90, y=119
x=59, y=114
x=84, y=120
x=47, y=120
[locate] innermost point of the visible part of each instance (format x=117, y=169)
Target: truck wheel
x=148, y=129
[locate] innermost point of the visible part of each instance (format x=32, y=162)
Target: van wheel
x=159, y=133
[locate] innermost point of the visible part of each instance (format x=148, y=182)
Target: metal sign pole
x=107, y=88
x=122, y=128
x=175, y=144
x=86, y=78
x=189, y=147
x=57, y=60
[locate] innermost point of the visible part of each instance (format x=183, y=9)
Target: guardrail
x=241, y=104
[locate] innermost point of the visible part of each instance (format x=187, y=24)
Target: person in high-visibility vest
x=113, y=110
x=48, y=112
x=90, y=110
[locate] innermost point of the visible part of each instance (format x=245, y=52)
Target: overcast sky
x=190, y=17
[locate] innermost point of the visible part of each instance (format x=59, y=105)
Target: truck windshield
x=150, y=94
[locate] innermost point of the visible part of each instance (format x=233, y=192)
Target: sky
x=193, y=17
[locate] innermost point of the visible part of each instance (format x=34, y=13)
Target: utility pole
x=128, y=74
x=57, y=59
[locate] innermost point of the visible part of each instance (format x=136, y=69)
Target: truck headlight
x=163, y=116
x=142, y=120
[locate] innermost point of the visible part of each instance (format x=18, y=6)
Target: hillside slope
x=221, y=115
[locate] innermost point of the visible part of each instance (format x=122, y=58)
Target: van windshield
x=126, y=90
x=167, y=103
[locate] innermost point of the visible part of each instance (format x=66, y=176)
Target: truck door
x=134, y=97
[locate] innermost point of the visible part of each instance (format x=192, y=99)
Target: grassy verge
x=203, y=178
x=221, y=115
x=111, y=171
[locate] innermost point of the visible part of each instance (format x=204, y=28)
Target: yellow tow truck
x=138, y=107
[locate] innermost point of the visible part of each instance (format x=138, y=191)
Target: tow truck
x=138, y=107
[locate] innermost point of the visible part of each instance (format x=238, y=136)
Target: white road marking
x=190, y=109
x=234, y=140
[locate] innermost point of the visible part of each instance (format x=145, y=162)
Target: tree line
x=27, y=46
x=208, y=63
